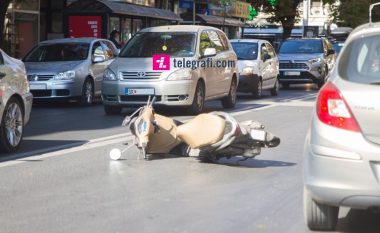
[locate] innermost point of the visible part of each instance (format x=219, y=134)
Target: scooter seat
x=204, y=129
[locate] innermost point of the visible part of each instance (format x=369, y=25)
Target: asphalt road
x=62, y=179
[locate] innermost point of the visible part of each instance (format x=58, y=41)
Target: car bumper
x=314, y=74
x=247, y=83
x=344, y=172
x=28, y=102
x=171, y=93
x=55, y=90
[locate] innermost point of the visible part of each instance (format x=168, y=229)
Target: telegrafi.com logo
x=162, y=62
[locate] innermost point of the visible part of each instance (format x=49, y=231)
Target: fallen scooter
x=216, y=135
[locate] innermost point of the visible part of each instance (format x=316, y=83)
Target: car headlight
x=68, y=75
x=109, y=75
x=247, y=70
x=315, y=60
x=181, y=74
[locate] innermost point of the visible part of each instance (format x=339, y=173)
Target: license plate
x=258, y=135
x=291, y=73
x=37, y=86
x=139, y=91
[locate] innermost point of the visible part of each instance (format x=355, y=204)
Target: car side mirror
x=98, y=59
x=117, y=51
x=209, y=52
x=330, y=52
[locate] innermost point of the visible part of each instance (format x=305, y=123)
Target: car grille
x=40, y=77
x=140, y=75
x=295, y=65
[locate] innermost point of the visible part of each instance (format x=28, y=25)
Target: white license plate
x=291, y=73
x=37, y=86
x=139, y=91
x=258, y=134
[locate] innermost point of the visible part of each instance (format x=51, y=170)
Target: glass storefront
x=22, y=28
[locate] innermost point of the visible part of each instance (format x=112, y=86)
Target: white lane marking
x=86, y=146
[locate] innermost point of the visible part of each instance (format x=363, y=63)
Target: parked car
x=130, y=79
x=305, y=61
x=338, y=45
x=70, y=68
x=342, y=149
x=258, y=66
x=15, y=102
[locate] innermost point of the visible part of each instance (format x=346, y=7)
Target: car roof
x=70, y=40
x=366, y=28
x=178, y=28
x=249, y=40
x=304, y=39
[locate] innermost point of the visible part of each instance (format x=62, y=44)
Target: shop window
x=126, y=30
x=31, y=5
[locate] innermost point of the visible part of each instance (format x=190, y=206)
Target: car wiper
x=375, y=83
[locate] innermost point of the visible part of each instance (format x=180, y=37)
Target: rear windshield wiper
x=375, y=83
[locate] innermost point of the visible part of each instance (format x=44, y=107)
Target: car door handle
x=2, y=75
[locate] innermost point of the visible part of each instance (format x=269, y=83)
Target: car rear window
x=360, y=61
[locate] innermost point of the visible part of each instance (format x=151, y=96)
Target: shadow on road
x=359, y=221
x=52, y=145
x=254, y=163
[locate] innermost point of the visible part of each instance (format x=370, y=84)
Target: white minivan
x=181, y=65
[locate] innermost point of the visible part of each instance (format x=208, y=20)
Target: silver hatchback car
x=342, y=149
x=70, y=68
x=15, y=102
x=182, y=65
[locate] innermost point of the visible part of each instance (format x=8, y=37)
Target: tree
x=3, y=10
x=352, y=13
x=283, y=11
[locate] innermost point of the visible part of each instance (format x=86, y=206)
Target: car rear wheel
x=258, y=89
x=319, y=216
x=230, y=100
x=112, y=110
x=12, y=125
x=199, y=100
x=275, y=89
x=87, y=97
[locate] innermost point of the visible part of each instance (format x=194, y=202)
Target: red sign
x=85, y=26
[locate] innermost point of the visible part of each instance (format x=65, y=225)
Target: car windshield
x=147, y=44
x=58, y=52
x=360, y=62
x=301, y=46
x=245, y=50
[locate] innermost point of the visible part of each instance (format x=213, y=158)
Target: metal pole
x=193, y=12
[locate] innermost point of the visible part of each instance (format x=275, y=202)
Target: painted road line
x=83, y=147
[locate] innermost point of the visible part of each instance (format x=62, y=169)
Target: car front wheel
x=12, y=125
x=230, y=100
x=319, y=216
x=199, y=99
x=87, y=97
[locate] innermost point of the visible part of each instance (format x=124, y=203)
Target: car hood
x=299, y=56
x=51, y=67
x=142, y=64
x=245, y=63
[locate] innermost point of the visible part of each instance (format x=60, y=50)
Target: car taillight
x=333, y=110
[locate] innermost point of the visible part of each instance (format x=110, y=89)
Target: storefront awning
x=122, y=8
x=212, y=20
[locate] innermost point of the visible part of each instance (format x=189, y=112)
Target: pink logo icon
x=161, y=62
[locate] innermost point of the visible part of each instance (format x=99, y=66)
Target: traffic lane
x=86, y=190
x=55, y=125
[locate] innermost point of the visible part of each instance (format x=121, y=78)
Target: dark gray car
x=305, y=61
x=70, y=68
